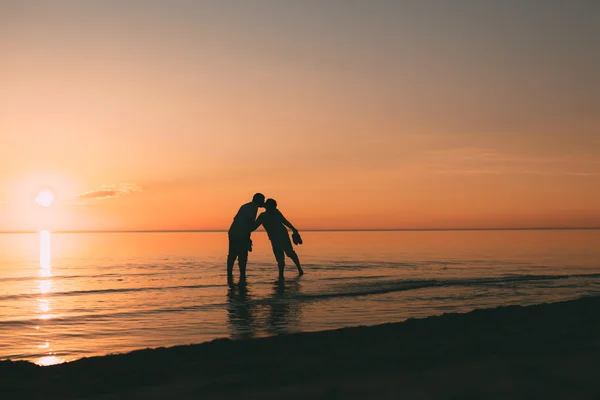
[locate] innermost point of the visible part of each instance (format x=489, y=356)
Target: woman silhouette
x=275, y=224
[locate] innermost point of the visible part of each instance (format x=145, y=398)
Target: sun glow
x=50, y=360
x=45, y=198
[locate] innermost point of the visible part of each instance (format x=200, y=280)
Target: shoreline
x=548, y=350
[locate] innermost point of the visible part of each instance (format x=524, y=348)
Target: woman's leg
x=279, y=256
x=296, y=260
x=289, y=250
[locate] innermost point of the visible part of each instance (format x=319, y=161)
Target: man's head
x=270, y=205
x=259, y=199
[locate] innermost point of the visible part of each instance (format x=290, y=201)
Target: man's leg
x=242, y=261
x=231, y=257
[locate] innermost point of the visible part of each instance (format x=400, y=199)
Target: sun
x=45, y=197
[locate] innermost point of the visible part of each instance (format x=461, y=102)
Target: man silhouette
x=239, y=235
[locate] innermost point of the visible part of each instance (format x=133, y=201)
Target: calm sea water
x=67, y=296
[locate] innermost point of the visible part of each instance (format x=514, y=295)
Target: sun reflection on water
x=45, y=286
x=43, y=305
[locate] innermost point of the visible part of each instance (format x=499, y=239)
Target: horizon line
x=69, y=231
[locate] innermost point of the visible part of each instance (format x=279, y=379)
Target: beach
x=541, y=351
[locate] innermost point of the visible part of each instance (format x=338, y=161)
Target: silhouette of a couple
x=245, y=222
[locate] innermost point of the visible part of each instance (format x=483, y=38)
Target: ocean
x=64, y=296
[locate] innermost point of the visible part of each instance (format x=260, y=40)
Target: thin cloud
x=582, y=173
x=110, y=192
x=473, y=161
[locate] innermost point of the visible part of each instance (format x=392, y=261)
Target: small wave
x=385, y=287
x=352, y=278
x=106, y=291
x=60, y=277
x=109, y=316
x=349, y=266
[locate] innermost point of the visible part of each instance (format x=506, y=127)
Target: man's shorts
x=239, y=244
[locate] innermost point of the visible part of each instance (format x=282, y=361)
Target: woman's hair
x=270, y=204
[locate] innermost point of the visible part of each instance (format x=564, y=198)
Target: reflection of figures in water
x=239, y=311
x=284, y=306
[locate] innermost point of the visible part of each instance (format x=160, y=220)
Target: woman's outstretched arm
x=287, y=223
x=257, y=223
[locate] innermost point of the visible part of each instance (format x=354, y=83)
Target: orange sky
x=170, y=115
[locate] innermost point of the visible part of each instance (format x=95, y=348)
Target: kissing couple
x=245, y=222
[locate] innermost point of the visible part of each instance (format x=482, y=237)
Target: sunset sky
x=352, y=114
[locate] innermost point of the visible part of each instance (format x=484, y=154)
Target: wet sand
x=542, y=351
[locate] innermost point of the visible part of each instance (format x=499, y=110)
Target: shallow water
x=67, y=296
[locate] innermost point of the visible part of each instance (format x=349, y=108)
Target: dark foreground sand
x=537, y=352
